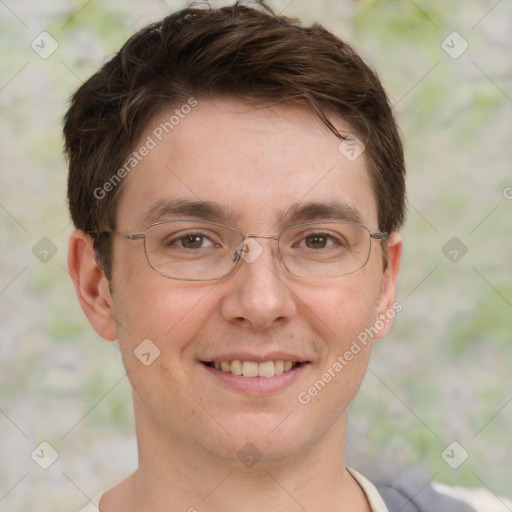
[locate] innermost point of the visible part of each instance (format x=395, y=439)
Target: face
x=257, y=166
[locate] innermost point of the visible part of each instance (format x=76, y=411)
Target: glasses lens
x=325, y=250
x=191, y=250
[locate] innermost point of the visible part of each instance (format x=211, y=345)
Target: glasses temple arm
x=135, y=236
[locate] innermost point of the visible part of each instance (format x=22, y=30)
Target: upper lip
x=258, y=358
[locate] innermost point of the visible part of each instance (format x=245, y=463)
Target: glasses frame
x=378, y=235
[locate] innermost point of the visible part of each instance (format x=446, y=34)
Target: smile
x=252, y=368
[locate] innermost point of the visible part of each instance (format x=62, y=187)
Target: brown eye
x=316, y=241
x=192, y=241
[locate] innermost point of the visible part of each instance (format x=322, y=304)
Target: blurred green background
x=442, y=375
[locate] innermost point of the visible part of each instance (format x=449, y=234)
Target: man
x=237, y=185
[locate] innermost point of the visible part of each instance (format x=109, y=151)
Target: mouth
x=264, y=369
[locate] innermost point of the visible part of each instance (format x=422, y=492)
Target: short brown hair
x=233, y=51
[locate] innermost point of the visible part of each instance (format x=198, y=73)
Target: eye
x=317, y=241
x=192, y=241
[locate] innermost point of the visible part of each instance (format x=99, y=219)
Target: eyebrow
x=216, y=212
x=314, y=211
x=184, y=208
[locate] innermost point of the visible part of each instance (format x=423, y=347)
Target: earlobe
x=91, y=286
x=387, y=307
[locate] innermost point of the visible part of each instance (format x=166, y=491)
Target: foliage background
x=442, y=375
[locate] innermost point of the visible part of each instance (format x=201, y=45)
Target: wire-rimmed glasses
x=192, y=250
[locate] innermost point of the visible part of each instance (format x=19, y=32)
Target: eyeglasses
x=191, y=250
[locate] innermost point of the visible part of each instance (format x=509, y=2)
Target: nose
x=258, y=294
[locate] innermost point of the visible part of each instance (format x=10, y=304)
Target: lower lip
x=257, y=386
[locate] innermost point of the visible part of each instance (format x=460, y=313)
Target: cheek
x=150, y=306
x=160, y=320
x=344, y=307
x=343, y=313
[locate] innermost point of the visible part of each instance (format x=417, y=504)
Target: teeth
x=278, y=367
x=250, y=369
x=266, y=369
x=236, y=367
x=254, y=369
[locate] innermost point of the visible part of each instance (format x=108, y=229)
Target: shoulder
x=403, y=493
x=372, y=494
x=399, y=496
x=482, y=500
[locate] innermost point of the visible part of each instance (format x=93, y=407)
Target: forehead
x=255, y=165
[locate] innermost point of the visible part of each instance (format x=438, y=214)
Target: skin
x=258, y=162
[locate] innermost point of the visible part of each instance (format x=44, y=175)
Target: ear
x=387, y=307
x=91, y=285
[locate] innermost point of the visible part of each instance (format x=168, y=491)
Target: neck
x=178, y=474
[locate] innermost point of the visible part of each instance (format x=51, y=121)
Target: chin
x=263, y=440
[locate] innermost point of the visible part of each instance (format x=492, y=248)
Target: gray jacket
x=408, y=495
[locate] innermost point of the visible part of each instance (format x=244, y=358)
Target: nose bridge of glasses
x=250, y=250
x=250, y=235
